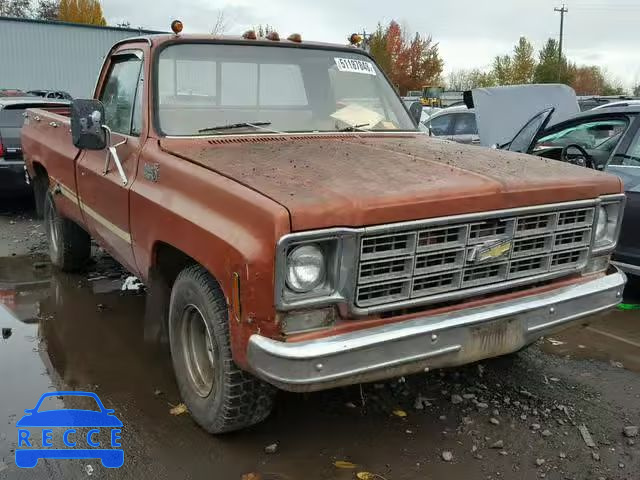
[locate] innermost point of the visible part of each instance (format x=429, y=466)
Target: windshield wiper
x=353, y=128
x=231, y=126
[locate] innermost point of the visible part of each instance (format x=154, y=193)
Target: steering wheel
x=580, y=158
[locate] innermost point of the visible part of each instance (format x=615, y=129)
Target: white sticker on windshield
x=355, y=66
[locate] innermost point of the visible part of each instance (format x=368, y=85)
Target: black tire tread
x=247, y=400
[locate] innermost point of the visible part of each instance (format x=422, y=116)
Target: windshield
x=202, y=86
x=432, y=92
x=595, y=135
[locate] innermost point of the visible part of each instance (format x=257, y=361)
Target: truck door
x=105, y=176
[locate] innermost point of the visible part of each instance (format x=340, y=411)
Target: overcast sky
x=470, y=32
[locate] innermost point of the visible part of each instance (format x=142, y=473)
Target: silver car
x=454, y=123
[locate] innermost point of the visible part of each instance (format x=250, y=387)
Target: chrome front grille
x=418, y=262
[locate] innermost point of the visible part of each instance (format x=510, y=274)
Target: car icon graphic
x=70, y=419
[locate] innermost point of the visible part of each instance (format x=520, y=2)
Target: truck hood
x=502, y=111
x=368, y=179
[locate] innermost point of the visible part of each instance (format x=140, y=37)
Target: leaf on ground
x=343, y=464
x=366, y=476
x=400, y=413
x=178, y=409
x=251, y=476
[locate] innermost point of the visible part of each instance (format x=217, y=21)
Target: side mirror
x=87, y=117
x=416, y=111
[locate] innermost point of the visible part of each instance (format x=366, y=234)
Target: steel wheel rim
x=198, y=350
x=53, y=231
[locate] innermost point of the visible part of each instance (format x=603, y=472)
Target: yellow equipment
x=432, y=96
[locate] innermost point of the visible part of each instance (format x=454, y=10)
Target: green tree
x=503, y=70
x=636, y=90
x=523, y=64
x=379, y=50
x=550, y=69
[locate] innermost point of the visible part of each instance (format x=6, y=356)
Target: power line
x=562, y=11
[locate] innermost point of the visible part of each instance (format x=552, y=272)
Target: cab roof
x=160, y=39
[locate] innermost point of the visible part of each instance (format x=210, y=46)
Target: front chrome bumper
x=437, y=341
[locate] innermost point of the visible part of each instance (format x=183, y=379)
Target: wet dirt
x=81, y=332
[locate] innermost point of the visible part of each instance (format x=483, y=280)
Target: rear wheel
x=220, y=396
x=69, y=245
x=40, y=188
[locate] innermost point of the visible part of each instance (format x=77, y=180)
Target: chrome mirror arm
x=112, y=152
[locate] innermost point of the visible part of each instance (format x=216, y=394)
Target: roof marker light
x=176, y=26
x=295, y=37
x=273, y=36
x=249, y=35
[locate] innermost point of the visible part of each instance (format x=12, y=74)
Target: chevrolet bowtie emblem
x=487, y=251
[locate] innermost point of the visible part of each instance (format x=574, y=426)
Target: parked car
x=58, y=94
x=590, y=102
x=13, y=181
x=623, y=103
x=12, y=92
x=454, y=123
x=311, y=237
x=605, y=139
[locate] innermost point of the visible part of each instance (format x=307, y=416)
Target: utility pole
x=562, y=11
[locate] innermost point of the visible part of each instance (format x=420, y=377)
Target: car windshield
x=201, y=86
x=594, y=135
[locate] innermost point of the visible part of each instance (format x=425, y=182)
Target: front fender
x=222, y=225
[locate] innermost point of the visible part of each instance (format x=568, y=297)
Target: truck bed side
x=47, y=146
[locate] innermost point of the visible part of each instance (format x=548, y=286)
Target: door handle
x=113, y=153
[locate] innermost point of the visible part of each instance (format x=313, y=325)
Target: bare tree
x=47, y=9
x=220, y=25
x=15, y=8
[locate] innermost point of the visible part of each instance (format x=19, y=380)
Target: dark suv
x=12, y=175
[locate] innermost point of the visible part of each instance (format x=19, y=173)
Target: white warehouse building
x=44, y=55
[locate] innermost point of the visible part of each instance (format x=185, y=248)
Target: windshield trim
x=155, y=67
x=325, y=133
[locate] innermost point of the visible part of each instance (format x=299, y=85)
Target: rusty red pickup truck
x=296, y=230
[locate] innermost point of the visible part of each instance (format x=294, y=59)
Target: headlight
x=608, y=224
x=306, y=268
x=601, y=226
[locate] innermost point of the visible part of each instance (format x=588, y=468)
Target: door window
x=440, y=125
x=594, y=135
x=632, y=157
x=119, y=94
x=465, y=124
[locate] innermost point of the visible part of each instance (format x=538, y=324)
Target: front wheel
x=220, y=396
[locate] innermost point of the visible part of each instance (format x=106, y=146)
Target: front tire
x=69, y=245
x=220, y=397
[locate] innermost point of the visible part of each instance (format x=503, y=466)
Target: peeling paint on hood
x=360, y=179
